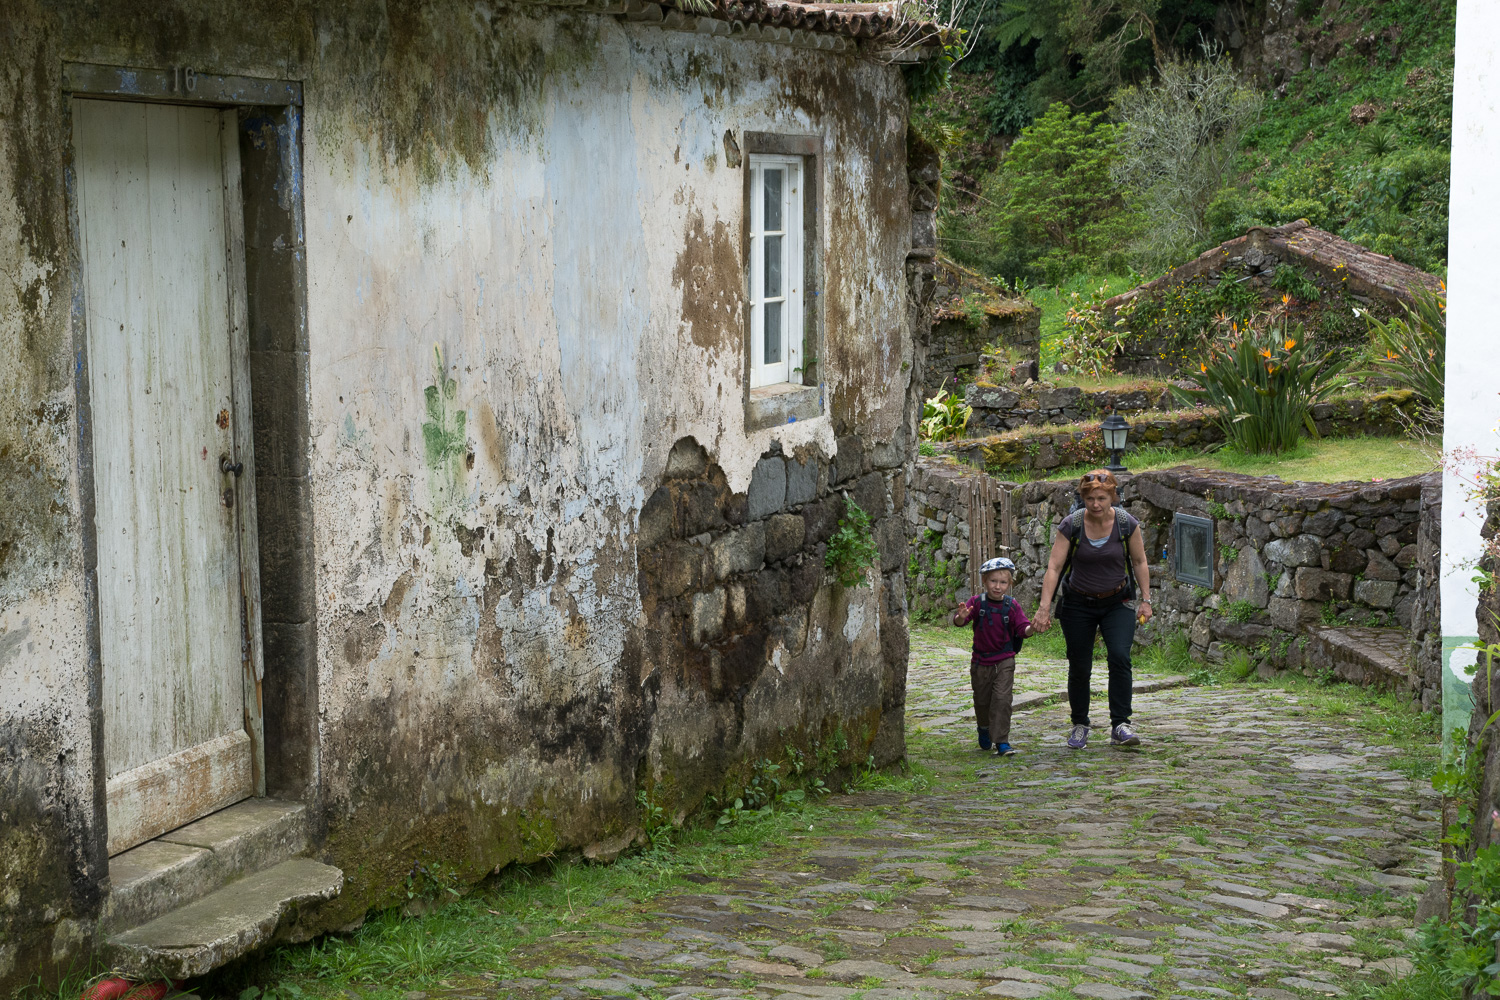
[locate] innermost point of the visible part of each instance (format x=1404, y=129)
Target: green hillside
x=1358, y=144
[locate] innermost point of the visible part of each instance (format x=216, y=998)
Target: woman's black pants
x=1081, y=618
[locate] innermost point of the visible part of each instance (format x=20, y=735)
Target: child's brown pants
x=994, y=687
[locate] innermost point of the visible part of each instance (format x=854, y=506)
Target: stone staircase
x=1370, y=657
x=210, y=892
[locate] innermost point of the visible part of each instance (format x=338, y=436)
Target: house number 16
x=184, y=79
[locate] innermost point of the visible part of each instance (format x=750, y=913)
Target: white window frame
x=789, y=368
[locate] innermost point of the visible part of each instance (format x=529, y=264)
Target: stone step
x=1370, y=657
x=226, y=924
x=194, y=860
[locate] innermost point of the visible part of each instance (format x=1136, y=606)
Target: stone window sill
x=783, y=403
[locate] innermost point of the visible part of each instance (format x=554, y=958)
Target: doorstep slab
x=192, y=861
x=226, y=924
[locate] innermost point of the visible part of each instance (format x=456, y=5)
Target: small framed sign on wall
x=1193, y=549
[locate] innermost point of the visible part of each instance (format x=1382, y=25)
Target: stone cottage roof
x=878, y=25
x=1369, y=274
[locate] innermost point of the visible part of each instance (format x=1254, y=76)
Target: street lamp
x=1115, y=431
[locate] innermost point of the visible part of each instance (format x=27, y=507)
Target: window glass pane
x=773, y=332
x=772, y=270
x=773, y=200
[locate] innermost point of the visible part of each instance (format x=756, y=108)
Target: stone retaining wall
x=998, y=408
x=1290, y=556
x=971, y=313
x=1036, y=445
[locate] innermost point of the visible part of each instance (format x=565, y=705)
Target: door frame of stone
x=271, y=363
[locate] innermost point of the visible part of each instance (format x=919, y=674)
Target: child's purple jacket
x=991, y=638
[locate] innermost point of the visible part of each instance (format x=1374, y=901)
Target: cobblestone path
x=1251, y=848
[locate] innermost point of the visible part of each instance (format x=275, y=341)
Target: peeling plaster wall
x=524, y=287
x=481, y=649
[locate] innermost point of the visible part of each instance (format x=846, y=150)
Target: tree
x=1178, y=141
x=1054, y=200
x=1085, y=49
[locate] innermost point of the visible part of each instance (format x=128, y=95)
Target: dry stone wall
x=1289, y=557
x=971, y=314
x=1042, y=438
x=1002, y=409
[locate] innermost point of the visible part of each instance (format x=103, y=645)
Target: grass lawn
x=1332, y=460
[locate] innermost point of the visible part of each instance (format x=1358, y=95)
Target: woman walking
x=1096, y=550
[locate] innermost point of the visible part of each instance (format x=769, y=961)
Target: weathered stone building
x=424, y=427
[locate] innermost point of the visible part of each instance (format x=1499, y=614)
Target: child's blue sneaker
x=1004, y=750
x=984, y=737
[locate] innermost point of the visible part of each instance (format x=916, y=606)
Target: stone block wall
x=1040, y=439
x=938, y=521
x=997, y=408
x=1290, y=556
x=957, y=343
x=741, y=612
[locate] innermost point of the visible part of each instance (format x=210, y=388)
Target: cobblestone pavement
x=1251, y=848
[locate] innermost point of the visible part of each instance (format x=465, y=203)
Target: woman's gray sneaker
x=1123, y=736
x=1079, y=737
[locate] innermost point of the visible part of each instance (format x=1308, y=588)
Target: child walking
x=999, y=626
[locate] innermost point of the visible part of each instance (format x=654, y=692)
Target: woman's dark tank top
x=1099, y=569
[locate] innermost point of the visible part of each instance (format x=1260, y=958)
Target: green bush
x=944, y=417
x=1263, y=383
x=1052, y=206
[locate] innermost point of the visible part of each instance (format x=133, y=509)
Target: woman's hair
x=1099, y=479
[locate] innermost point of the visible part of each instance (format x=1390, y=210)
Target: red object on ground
x=108, y=989
x=116, y=988
x=150, y=991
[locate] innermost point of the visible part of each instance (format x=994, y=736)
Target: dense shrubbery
x=1179, y=138
x=1052, y=209
x=1382, y=183
x=1184, y=318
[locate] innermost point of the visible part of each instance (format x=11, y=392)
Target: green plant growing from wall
x=443, y=434
x=1296, y=284
x=851, y=549
x=1239, y=612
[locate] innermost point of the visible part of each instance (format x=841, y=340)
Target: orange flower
x=1286, y=300
x=1391, y=355
x=1202, y=366
x=1265, y=352
x=1289, y=344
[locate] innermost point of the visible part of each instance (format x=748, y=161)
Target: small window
x=775, y=269
x=1193, y=549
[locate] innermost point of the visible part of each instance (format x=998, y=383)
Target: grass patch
x=1329, y=460
x=505, y=917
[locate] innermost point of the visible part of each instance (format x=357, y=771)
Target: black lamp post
x=1115, y=431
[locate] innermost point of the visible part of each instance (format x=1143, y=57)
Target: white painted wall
x=1472, y=400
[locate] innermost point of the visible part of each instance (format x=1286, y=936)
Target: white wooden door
x=157, y=204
